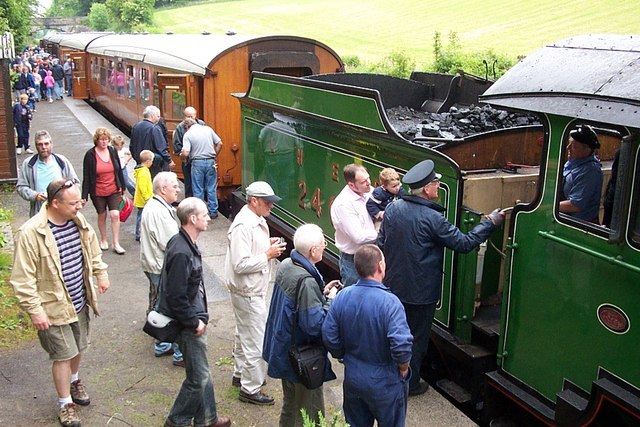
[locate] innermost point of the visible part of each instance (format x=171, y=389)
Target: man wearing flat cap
x=413, y=237
x=582, y=176
x=247, y=264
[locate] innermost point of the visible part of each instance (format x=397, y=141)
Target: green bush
x=336, y=421
x=352, y=61
x=396, y=64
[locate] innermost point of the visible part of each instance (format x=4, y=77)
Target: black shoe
x=258, y=398
x=420, y=389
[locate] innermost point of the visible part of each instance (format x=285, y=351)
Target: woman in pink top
x=104, y=183
x=49, y=82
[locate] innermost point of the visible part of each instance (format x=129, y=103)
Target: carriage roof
x=594, y=77
x=188, y=53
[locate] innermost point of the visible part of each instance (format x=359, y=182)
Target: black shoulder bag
x=307, y=360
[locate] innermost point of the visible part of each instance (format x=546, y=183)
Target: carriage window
x=581, y=181
x=131, y=81
x=635, y=208
x=174, y=103
x=103, y=73
x=118, y=78
x=144, y=86
x=112, y=76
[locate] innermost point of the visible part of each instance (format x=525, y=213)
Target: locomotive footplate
x=457, y=370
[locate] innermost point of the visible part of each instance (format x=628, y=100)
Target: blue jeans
x=57, y=88
x=159, y=347
x=196, y=401
x=138, y=219
x=204, y=180
x=348, y=273
x=131, y=187
x=68, y=80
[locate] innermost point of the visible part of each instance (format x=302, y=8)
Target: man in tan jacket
x=56, y=254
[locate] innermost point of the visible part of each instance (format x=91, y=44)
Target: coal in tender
x=459, y=122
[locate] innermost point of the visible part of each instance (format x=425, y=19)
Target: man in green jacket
x=56, y=254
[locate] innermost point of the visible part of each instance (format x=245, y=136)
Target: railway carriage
x=541, y=324
x=127, y=72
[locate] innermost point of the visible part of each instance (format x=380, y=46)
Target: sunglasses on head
x=67, y=184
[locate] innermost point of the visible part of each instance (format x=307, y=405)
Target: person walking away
x=201, y=146
x=311, y=305
x=124, y=155
x=147, y=135
x=353, y=224
x=366, y=326
x=37, y=81
x=158, y=224
x=49, y=83
x=144, y=187
x=413, y=236
x=22, y=121
x=39, y=170
x=56, y=254
x=247, y=269
x=178, y=136
x=103, y=181
x=67, y=68
x=58, y=77
x=183, y=297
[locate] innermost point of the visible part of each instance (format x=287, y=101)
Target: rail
x=613, y=260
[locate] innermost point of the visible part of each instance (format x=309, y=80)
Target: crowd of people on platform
x=391, y=246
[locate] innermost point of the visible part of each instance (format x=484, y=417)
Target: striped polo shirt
x=67, y=238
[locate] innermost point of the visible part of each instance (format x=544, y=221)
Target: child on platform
x=117, y=141
x=144, y=186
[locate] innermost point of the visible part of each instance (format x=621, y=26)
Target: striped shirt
x=67, y=238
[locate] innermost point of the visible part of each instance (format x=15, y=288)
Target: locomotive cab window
x=581, y=180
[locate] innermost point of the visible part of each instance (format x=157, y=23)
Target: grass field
x=372, y=29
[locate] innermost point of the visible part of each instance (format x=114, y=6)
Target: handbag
x=307, y=360
x=161, y=327
x=125, y=208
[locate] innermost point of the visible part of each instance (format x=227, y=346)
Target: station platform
x=127, y=384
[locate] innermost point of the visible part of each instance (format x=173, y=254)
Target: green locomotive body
x=544, y=317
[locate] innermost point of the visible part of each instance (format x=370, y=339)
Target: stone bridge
x=67, y=24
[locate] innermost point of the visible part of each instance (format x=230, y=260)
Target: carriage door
x=80, y=81
x=176, y=91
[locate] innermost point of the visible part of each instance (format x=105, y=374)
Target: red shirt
x=105, y=177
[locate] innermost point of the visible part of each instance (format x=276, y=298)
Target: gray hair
x=306, y=236
x=41, y=134
x=190, y=206
x=163, y=179
x=151, y=110
x=416, y=191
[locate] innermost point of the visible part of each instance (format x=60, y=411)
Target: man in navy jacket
x=413, y=236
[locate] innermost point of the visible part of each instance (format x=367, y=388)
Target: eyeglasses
x=322, y=245
x=67, y=184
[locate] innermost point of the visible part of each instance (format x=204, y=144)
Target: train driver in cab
x=582, y=176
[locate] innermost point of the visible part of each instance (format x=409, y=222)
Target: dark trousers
x=186, y=172
x=419, y=318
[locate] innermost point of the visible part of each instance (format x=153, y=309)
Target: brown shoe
x=79, y=393
x=68, y=416
x=221, y=422
x=257, y=398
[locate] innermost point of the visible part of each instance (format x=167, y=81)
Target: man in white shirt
x=353, y=224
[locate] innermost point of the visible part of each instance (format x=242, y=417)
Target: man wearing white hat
x=413, y=237
x=247, y=265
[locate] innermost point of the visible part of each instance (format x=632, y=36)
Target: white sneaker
x=18, y=150
x=50, y=100
x=28, y=151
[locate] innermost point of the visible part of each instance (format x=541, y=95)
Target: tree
x=99, y=17
x=15, y=17
x=130, y=15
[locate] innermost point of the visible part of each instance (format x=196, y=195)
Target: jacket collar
x=422, y=201
x=372, y=284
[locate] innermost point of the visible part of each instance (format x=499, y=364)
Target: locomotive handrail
x=613, y=260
